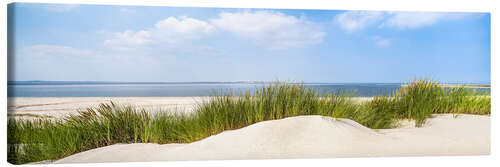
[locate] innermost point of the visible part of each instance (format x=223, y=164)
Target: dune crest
x=313, y=137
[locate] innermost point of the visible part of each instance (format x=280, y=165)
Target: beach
x=199, y=83
x=294, y=137
x=313, y=137
x=59, y=107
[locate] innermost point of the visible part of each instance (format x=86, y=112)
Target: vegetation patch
x=109, y=123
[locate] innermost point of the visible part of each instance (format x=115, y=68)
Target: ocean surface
x=150, y=89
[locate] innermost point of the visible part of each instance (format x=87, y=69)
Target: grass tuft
x=110, y=123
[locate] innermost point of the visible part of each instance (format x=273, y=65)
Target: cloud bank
x=171, y=31
x=271, y=29
x=357, y=20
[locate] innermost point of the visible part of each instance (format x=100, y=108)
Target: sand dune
x=313, y=137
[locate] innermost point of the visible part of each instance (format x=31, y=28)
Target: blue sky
x=172, y=44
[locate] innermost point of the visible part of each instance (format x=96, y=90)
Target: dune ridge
x=313, y=137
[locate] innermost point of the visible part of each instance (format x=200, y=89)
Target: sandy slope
x=313, y=137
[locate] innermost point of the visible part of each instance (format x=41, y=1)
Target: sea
x=178, y=89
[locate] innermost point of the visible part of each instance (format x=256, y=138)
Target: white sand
x=313, y=137
x=59, y=107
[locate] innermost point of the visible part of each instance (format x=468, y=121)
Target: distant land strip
x=460, y=85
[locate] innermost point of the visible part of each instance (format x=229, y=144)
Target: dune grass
x=421, y=98
x=110, y=123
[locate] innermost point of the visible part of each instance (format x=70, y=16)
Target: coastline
x=301, y=123
x=59, y=107
x=472, y=86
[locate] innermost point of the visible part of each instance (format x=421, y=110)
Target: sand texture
x=313, y=137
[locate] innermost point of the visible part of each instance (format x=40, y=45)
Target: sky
x=68, y=42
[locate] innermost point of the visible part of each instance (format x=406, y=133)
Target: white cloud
x=356, y=20
x=184, y=26
x=60, y=7
x=409, y=20
x=273, y=30
x=270, y=29
x=169, y=31
x=129, y=39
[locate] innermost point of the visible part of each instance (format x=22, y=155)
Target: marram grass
x=110, y=123
x=421, y=98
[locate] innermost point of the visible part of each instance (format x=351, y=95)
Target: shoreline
x=301, y=123
x=59, y=107
x=472, y=86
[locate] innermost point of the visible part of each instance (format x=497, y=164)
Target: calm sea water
x=94, y=89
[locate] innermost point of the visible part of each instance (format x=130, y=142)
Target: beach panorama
x=111, y=83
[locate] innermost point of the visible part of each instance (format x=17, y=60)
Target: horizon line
x=173, y=82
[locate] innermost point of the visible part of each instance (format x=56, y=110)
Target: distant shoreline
x=217, y=82
x=59, y=107
x=460, y=85
x=82, y=89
